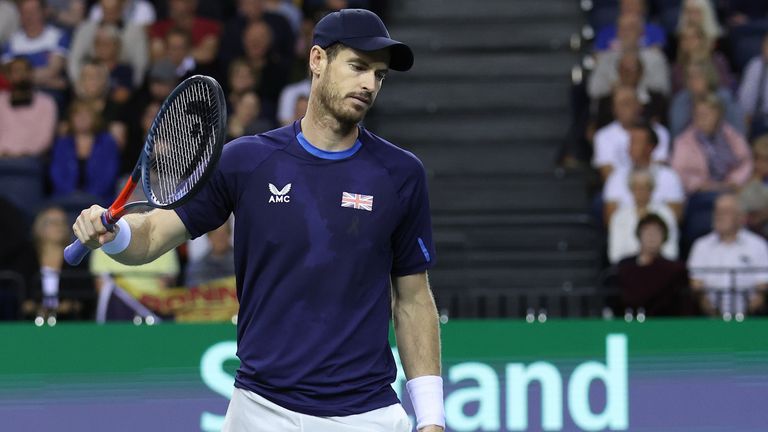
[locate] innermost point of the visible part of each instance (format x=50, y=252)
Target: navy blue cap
x=362, y=30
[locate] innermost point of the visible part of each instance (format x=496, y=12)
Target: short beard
x=330, y=100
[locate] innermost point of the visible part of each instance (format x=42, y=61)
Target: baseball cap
x=362, y=30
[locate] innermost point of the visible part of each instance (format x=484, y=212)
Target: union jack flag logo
x=357, y=201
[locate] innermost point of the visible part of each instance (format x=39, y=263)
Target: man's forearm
x=418, y=335
x=148, y=242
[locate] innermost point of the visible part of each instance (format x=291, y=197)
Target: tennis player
x=332, y=238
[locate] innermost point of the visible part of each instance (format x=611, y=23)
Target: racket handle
x=75, y=252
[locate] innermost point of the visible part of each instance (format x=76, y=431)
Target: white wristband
x=427, y=399
x=121, y=241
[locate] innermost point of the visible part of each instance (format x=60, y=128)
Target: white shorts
x=249, y=412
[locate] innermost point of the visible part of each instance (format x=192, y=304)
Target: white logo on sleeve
x=279, y=195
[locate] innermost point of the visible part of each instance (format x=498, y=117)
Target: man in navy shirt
x=332, y=238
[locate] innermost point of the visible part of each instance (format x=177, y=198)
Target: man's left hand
x=431, y=428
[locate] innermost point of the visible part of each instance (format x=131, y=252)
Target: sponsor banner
x=665, y=375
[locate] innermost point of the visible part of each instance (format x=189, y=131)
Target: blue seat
x=603, y=13
x=21, y=183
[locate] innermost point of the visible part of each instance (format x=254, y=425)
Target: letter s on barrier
x=218, y=380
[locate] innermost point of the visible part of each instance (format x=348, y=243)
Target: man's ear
x=318, y=60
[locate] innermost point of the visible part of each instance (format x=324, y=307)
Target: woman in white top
x=622, y=241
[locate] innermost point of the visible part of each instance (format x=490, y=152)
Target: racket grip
x=75, y=252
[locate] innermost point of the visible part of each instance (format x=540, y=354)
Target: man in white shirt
x=612, y=141
x=728, y=266
x=643, y=143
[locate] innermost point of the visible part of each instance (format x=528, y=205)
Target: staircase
x=485, y=108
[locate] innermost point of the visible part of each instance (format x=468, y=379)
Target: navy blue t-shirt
x=317, y=236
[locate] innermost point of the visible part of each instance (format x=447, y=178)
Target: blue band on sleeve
x=424, y=250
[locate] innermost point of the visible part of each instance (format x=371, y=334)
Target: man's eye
x=357, y=68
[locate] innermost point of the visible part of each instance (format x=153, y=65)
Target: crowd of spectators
x=80, y=83
x=678, y=132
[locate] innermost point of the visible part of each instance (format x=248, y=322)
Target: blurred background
x=598, y=170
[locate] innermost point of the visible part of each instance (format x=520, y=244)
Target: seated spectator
x=9, y=20
x=27, y=117
x=66, y=14
x=203, y=32
x=622, y=239
x=301, y=51
x=271, y=71
x=606, y=74
x=251, y=11
x=700, y=13
x=612, y=141
x=106, y=50
x=44, y=45
x=51, y=233
x=87, y=159
x=753, y=93
x=132, y=12
x=631, y=74
x=668, y=190
x=722, y=264
x=648, y=280
x=241, y=79
x=754, y=195
x=138, y=135
x=245, y=119
x=218, y=263
x=695, y=47
x=608, y=37
x=711, y=155
x=742, y=12
x=133, y=48
x=289, y=99
x=178, y=50
x=92, y=87
x=701, y=80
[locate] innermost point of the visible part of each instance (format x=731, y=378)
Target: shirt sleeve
x=412, y=245
x=603, y=156
x=697, y=261
x=613, y=190
x=215, y=201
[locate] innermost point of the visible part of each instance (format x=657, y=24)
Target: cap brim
x=401, y=56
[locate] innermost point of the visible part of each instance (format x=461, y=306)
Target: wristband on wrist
x=121, y=241
x=427, y=399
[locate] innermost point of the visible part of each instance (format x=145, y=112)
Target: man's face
x=182, y=8
x=626, y=108
x=640, y=148
x=651, y=238
x=728, y=217
x=706, y=118
x=630, y=29
x=349, y=83
x=106, y=47
x=31, y=14
x=93, y=81
x=113, y=10
x=19, y=73
x=178, y=48
x=257, y=39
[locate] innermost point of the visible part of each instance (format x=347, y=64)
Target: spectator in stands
x=246, y=117
x=612, y=141
x=301, y=51
x=218, y=263
x=742, y=12
x=655, y=66
x=178, y=50
x=27, y=117
x=622, y=238
x=87, y=160
x=271, y=71
x=106, y=50
x=44, y=45
x=133, y=48
x=711, y=156
x=241, y=79
x=9, y=20
x=609, y=37
x=132, y=12
x=668, y=189
x=753, y=93
x=648, y=280
x=724, y=264
x=203, y=32
x=695, y=47
x=289, y=101
x=93, y=87
x=699, y=13
x=250, y=11
x=630, y=69
x=754, y=195
x=66, y=14
x=702, y=80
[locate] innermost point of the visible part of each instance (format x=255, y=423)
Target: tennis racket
x=181, y=150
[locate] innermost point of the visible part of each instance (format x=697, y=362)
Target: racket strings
x=184, y=143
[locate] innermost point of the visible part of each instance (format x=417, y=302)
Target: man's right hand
x=89, y=229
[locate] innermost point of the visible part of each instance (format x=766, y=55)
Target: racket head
x=184, y=143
